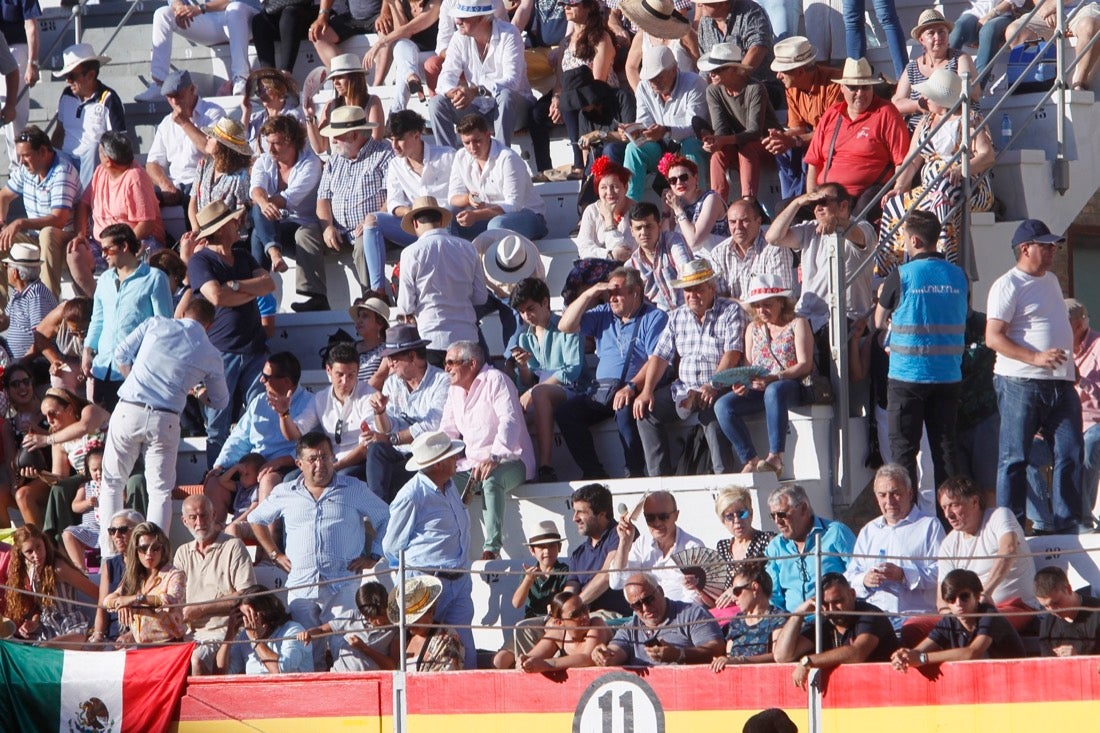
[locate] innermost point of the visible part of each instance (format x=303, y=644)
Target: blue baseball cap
x=1033, y=230
x=176, y=82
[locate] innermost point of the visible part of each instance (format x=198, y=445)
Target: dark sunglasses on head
x=641, y=602
x=657, y=517
x=117, y=530
x=682, y=178
x=742, y=514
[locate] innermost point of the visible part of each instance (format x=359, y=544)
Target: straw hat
x=424, y=203
x=252, y=83
x=658, y=18
x=655, y=60
x=695, y=272
x=472, y=9
x=511, y=259
x=927, y=19
x=421, y=593
x=792, y=53
x=214, y=216
x=858, y=73
x=944, y=87
x=721, y=56
x=25, y=254
x=231, y=134
x=374, y=305
x=346, y=64
x=74, y=56
x=347, y=119
x=544, y=533
x=764, y=286
x=429, y=449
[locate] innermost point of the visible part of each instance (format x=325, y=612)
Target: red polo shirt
x=867, y=148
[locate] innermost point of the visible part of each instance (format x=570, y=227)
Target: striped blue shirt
x=58, y=189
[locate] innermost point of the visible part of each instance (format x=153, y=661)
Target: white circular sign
x=619, y=702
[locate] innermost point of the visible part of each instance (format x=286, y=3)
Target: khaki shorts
x=1038, y=27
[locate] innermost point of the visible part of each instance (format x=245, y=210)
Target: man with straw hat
x=430, y=524
x=86, y=109
x=810, y=92
x=700, y=358
x=352, y=186
x=860, y=141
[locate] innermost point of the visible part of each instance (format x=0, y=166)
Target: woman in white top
x=605, y=224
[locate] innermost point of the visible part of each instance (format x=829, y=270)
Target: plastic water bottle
x=1006, y=129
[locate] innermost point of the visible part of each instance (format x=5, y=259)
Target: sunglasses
x=658, y=517
x=963, y=597
x=118, y=530
x=682, y=178
x=581, y=612
x=339, y=431
x=739, y=589
x=151, y=547
x=743, y=514
x=455, y=362
x=265, y=377
x=20, y=382
x=776, y=516
x=74, y=75
x=642, y=602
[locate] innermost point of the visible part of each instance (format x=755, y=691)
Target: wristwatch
x=140, y=599
x=395, y=438
x=922, y=658
x=274, y=554
x=234, y=285
x=806, y=662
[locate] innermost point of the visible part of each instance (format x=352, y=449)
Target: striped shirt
x=701, y=345
x=26, y=310
x=58, y=189
x=419, y=410
x=356, y=186
x=736, y=270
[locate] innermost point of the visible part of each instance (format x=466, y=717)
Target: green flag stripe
x=30, y=686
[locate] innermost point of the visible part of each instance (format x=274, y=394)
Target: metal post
x=400, y=703
x=965, y=253
x=838, y=344
x=78, y=21
x=814, y=688
x=1061, y=165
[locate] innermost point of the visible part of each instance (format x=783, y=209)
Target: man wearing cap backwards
x=333, y=527
x=49, y=185
x=430, y=523
x=810, y=92
x=740, y=113
x=490, y=186
x=173, y=160
x=30, y=299
x=86, y=109
x=441, y=279
x=705, y=334
x=488, y=53
x=1086, y=357
x=232, y=280
x=409, y=405
x=925, y=300
x=352, y=186
x=1027, y=325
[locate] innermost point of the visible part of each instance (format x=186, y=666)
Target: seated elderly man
x=854, y=631
x=1071, y=625
x=654, y=552
x=49, y=186
x=30, y=299
x=179, y=142
x=662, y=631
x=485, y=73
x=218, y=568
x=746, y=253
x=791, y=553
x=705, y=336
x=483, y=411
x=893, y=565
x=86, y=109
x=257, y=431
x=352, y=186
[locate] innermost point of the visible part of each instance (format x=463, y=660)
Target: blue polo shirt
x=587, y=558
x=613, y=338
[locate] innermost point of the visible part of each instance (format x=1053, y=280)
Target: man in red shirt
x=859, y=142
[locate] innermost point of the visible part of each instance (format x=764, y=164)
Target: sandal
x=751, y=465
x=771, y=464
x=415, y=86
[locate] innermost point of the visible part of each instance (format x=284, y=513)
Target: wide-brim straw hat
x=75, y=55
x=214, y=216
x=658, y=18
x=722, y=55
x=424, y=203
x=944, y=87
x=347, y=119
x=252, y=83
x=858, y=72
x=429, y=449
x=765, y=286
x=695, y=272
x=927, y=19
x=421, y=593
x=228, y=132
x=792, y=53
x=374, y=305
x=346, y=64
x=25, y=254
x=511, y=258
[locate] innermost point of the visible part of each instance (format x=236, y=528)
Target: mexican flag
x=45, y=689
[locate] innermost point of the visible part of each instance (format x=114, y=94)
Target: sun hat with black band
x=428, y=449
x=722, y=55
x=424, y=203
x=401, y=338
x=858, y=73
x=347, y=119
x=228, y=132
x=658, y=18
x=374, y=305
x=792, y=53
x=512, y=258
x=544, y=533
x=24, y=254
x=214, y=216
x=346, y=64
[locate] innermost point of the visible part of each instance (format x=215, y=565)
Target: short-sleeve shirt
x=685, y=625
x=614, y=338
x=1082, y=633
x=1036, y=316
x=700, y=345
x=59, y=189
x=225, y=569
x=979, y=554
x=949, y=633
x=869, y=621
x=543, y=589
x=587, y=558
x=236, y=329
x=12, y=15
x=867, y=148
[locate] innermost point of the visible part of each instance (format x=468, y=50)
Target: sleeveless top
x=569, y=61
x=683, y=60
x=779, y=354
x=721, y=227
x=914, y=75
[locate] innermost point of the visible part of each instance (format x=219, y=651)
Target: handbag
x=604, y=390
x=816, y=389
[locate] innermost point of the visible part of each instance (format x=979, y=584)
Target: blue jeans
x=373, y=245
x=989, y=37
x=267, y=234
x=775, y=401
x=577, y=415
x=510, y=321
x=1052, y=409
x=792, y=173
x=783, y=15
x=386, y=473
x=1038, y=488
x=242, y=379
x=1090, y=475
x=855, y=31
x=521, y=221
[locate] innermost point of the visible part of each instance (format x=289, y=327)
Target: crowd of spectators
x=702, y=316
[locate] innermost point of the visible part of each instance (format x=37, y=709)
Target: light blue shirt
x=419, y=410
x=917, y=536
x=793, y=578
x=169, y=358
x=431, y=526
x=323, y=535
x=561, y=355
x=118, y=308
x=258, y=430
x=294, y=656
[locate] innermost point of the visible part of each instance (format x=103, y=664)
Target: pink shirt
x=1087, y=359
x=489, y=419
x=129, y=200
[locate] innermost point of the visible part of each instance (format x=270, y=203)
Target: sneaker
x=547, y=475
x=152, y=94
x=313, y=303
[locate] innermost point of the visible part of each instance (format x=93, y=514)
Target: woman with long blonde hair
x=150, y=597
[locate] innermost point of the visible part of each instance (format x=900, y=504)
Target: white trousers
x=22, y=108
x=209, y=29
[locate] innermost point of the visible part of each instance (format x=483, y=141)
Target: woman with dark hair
x=150, y=598
x=60, y=339
x=267, y=638
x=278, y=94
x=972, y=630
x=371, y=317
x=605, y=223
x=37, y=566
x=700, y=216
x=24, y=416
x=588, y=46
x=549, y=364
x=570, y=637
x=172, y=265
x=223, y=171
x=349, y=82
x=284, y=190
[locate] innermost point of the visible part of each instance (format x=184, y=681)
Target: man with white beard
x=218, y=568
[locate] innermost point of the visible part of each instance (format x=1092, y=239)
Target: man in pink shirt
x=483, y=411
x=1086, y=355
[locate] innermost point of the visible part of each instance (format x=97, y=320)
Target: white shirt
x=504, y=182
x=977, y=554
x=917, y=536
x=447, y=23
x=441, y=282
x=1036, y=316
x=324, y=412
x=301, y=186
x=174, y=151
x=596, y=239
x=404, y=185
x=688, y=99
x=504, y=65
x=645, y=556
